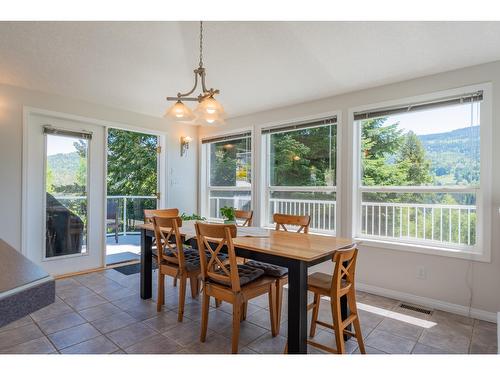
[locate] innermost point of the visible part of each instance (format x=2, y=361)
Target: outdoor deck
x=131, y=243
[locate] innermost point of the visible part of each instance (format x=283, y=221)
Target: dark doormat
x=126, y=256
x=130, y=269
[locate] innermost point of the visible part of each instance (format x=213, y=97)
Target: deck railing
x=455, y=224
x=437, y=223
x=130, y=209
x=322, y=212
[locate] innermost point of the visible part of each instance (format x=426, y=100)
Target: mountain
x=454, y=155
x=64, y=168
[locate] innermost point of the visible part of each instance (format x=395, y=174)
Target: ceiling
x=256, y=65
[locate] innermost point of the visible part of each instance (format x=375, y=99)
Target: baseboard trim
x=429, y=302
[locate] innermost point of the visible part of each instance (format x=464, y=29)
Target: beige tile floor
x=103, y=313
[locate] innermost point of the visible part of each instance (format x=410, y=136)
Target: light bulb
x=211, y=107
x=179, y=112
x=209, y=120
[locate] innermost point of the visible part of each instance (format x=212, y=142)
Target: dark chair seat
x=269, y=269
x=247, y=274
x=192, y=257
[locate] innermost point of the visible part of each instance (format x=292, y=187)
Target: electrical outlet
x=421, y=273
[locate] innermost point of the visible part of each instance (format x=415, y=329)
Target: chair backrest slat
x=246, y=216
x=300, y=221
x=167, y=229
x=344, y=270
x=164, y=212
x=213, y=238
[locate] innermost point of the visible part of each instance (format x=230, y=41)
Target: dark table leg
x=297, y=308
x=146, y=265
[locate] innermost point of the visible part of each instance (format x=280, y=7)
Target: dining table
x=295, y=251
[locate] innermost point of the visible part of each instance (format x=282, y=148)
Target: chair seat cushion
x=269, y=269
x=187, y=250
x=192, y=257
x=247, y=275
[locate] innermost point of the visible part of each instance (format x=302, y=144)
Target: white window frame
x=265, y=186
x=205, y=186
x=482, y=250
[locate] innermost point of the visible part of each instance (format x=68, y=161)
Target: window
x=229, y=173
x=66, y=186
x=420, y=173
x=301, y=172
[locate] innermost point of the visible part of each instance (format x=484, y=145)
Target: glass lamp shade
x=209, y=120
x=179, y=112
x=210, y=107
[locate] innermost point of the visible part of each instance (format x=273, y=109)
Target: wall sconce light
x=185, y=144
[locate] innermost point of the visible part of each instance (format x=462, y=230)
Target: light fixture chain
x=201, y=44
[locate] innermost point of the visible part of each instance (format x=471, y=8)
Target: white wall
x=182, y=172
x=391, y=269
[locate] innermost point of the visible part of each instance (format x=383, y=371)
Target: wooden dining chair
x=228, y=281
x=165, y=212
x=341, y=284
x=301, y=222
x=245, y=216
x=175, y=260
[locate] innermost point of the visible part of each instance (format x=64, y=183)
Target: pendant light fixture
x=209, y=111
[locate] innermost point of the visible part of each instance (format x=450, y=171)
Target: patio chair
x=112, y=217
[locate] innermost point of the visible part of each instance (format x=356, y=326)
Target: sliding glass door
x=132, y=181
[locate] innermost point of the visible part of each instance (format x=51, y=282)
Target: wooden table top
x=305, y=247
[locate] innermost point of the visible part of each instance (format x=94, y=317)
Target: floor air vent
x=415, y=308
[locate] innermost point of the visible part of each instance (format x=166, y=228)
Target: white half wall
x=391, y=269
x=181, y=173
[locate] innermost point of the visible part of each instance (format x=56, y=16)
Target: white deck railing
x=125, y=219
x=454, y=224
x=322, y=213
x=422, y=222
x=241, y=202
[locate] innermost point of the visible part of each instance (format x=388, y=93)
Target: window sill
x=422, y=249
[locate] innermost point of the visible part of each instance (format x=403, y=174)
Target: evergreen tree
x=132, y=163
x=379, y=142
x=412, y=161
x=223, y=166
x=291, y=165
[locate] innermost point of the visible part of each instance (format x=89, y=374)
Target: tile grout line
x=191, y=343
x=86, y=321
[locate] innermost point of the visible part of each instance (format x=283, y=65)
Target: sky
x=423, y=122
x=437, y=120
x=60, y=145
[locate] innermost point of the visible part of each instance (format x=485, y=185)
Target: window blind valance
x=300, y=125
x=49, y=129
x=230, y=137
x=381, y=112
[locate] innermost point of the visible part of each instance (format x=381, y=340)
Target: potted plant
x=228, y=215
x=186, y=217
